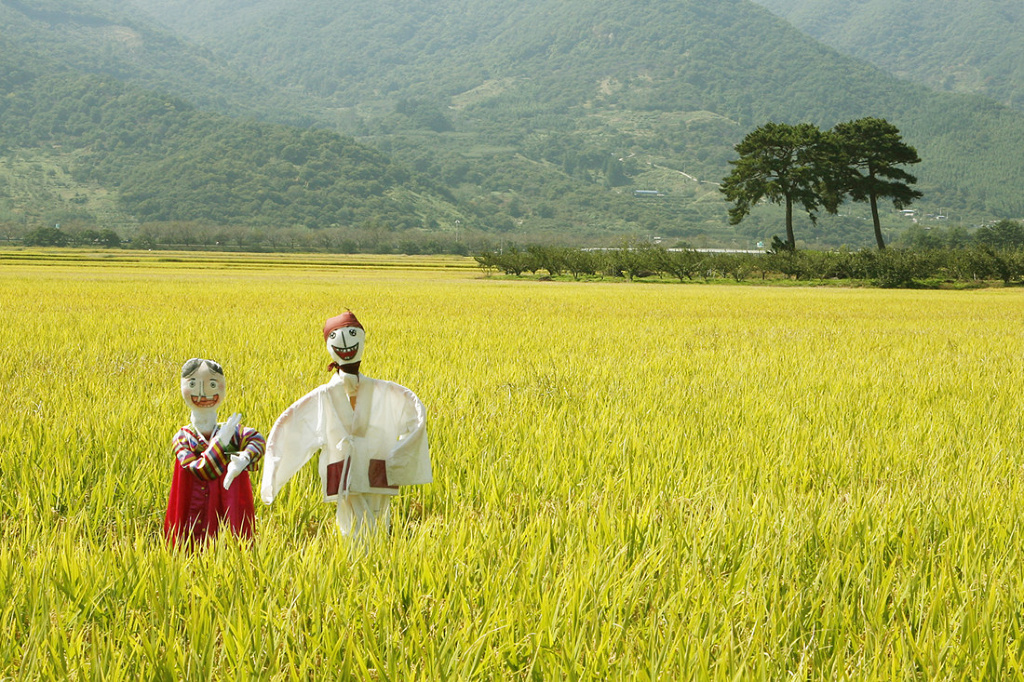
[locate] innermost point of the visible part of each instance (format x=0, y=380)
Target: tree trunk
x=790, y=238
x=877, y=224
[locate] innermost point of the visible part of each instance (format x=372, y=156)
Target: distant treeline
x=372, y=237
x=920, y=258
x=995, y=253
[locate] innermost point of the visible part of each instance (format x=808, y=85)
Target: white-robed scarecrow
x=371, y=434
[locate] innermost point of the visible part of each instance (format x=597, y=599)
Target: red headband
x=346, y=319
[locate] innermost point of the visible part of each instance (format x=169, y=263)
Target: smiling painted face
x=203, y=386
x=345, y=345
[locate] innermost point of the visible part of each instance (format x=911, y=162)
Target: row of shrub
x=54, y=236
x=885, y=268
x=195, y=235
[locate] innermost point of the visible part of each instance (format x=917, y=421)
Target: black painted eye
x=333, y=334
x=351, y=332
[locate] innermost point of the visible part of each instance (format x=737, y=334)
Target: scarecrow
x=371, y=434
x=211, y=473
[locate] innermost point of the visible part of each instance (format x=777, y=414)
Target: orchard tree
x=1006, y=234
x=867, y=153
x=782, y=164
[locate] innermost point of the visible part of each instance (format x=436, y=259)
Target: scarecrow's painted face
x=345, y=344
x=204, y=388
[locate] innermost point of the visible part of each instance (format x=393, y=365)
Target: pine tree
x=782, y=164
x=866, y=154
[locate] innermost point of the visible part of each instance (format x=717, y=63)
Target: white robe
x=380, y=445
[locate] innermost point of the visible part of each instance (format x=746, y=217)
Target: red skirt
x=196, y=508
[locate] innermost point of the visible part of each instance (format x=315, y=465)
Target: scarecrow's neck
x=205, y=421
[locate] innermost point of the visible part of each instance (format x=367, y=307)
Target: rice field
x=632, y=481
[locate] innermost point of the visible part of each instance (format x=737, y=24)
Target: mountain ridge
x=612, y=56
x=540, y=117
x=962, y=47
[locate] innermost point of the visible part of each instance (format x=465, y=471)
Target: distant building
x=647, y=193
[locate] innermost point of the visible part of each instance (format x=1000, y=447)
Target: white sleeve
x=408, y=463
x=295, y=436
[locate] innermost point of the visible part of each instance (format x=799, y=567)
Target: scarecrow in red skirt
x=211, y=473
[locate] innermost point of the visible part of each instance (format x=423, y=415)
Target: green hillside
x=168, y=161
x=671, y=82
x=971, y=47
x=532, y=119
x=110, y=38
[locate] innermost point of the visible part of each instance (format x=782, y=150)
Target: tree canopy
x=779, y=163
x=868, y=153
x=803, y=165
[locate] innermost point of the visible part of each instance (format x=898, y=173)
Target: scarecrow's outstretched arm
x=295, y=436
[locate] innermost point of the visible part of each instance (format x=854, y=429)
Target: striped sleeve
x=186, y=448
x=211, y=464
x=252, y=443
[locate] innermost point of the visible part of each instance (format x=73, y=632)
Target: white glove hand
x=227, y=432
x=235, y=466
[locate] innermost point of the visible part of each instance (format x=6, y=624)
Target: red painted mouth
x=199, y=401
x=346, y=353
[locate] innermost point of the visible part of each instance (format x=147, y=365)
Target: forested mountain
x=970, y=46
x=534, y=117
x=111, y=38
x=168, y=161
x=674, y=81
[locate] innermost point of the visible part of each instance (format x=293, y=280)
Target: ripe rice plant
x=631, y=480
